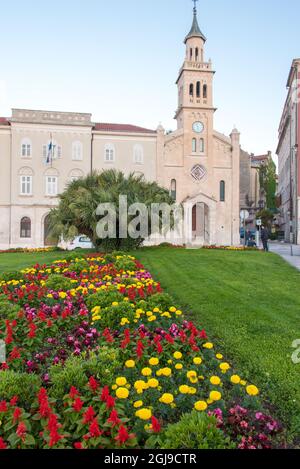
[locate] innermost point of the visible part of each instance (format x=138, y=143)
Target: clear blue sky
x=119, y=59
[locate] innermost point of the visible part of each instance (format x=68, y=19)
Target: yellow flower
x=144, y=414
x=140, y=385
x=177, y=355
x=153, y=361
x=215, y=380
x=192, y=390
x=243, y=382
x=62, y=294
x=219, y=356
x=208, y=345
x=178, y=366
x=191, y=374
x=235, y=379
x=200, y=405
x=156, y=310
x=172, y=309
x=114, y=387
x=252, y=390
x=215, y=396
x=146, y=372
x=197, y=360
x=138, y=404
x=167, y=398
x=166, y=372
x=178, y=313
x=130, y=364
x=153, y=383
x=184, y=389
x=121, y=381
x=224, y=366
x=152, y=319
x=115, y=303
x=122, y=393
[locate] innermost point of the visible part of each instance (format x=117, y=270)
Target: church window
x=173, y=189
x=202, y=145
x=198, y=89
x=25, y=228
x=205, y=91
x=222, y=191
x=26, y=148
x=77, y=151
x=197, y=54
x=109, y=153
x=191, y=54
x=194, y=145
x=191, y=89
x=138, y=154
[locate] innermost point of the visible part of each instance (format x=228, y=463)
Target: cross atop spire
x=195, y=30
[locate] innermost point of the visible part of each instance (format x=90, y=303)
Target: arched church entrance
x=49, y=239
x=200, y=223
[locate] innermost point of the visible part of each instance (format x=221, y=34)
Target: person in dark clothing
x=265, y=238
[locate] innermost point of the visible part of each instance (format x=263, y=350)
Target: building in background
x=197, y=164
x=252, y=195
x=289, y=159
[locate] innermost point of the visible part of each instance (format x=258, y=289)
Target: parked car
x=80, y=242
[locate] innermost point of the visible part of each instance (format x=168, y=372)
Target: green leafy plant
x=193, y=431
x=58, y=282
x=23, y=385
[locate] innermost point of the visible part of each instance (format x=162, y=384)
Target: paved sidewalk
x=285, y=251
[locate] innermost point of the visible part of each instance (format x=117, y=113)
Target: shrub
x=160, y=300
x=193, y=431
x=8, y=310
x=125, y=263
x=112, y=316
x=23, y=385
x=77, y=370
x=79, y=265
x=58, y=282
x=103, y=299
x=8, y=276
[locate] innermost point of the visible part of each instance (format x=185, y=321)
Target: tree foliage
x=267, y=177
x=76, y=212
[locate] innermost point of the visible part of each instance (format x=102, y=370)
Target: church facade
x=198, y=165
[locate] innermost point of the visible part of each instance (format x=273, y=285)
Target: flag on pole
x=50, y=152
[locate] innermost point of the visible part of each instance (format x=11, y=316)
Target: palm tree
x=76, y=212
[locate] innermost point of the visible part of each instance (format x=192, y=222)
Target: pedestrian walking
x=265, y=238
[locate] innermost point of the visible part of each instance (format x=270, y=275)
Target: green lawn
x=248, y=302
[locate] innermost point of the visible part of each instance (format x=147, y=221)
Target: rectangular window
x=26, y=185
x=109, y=155
x=51, y=185
x=194, y=145
x=26, y=150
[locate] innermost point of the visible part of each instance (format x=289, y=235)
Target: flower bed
x=232, y=248
x=30, y=250
x=99, y=357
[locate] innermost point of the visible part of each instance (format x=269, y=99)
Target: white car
x=80, y=242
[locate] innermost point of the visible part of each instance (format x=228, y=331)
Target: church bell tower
x=195, y=94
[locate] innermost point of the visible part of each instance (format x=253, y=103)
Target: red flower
x=3, y=406
x=73, y=392
x=13, y=401
x=44, y=408
x=78, y=404
x=114, y=418
x=156, y=427
x=2, y=444
x=94, y=429
x=123, y=435
x=93, y=384
x=21, y=431
x=53, y=426
x=140, y=349
x=89, y=415
x=110, y=402
x=78, y=445
x=17, y=414
x=203, y=334
x=104, y=394
x=32, y=330
x=14, y=354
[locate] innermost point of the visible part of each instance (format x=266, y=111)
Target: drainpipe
x=296, y=152
x=10, y=188
x=92, y=140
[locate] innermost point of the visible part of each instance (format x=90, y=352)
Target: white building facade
x=197, y=164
